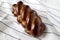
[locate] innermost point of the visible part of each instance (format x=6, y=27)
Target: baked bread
x=29, y=18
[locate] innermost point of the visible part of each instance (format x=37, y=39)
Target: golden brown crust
x=31, y=22
x=14, y=11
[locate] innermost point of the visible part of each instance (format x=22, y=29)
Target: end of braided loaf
x=31, y=22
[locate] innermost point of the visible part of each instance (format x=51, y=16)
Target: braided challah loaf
x=28, y=18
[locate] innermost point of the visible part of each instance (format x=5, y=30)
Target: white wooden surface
x=48, y=10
